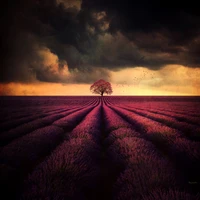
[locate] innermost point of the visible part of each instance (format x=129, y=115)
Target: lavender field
x=96, y=148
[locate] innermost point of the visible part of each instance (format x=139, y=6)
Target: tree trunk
x=102, y=93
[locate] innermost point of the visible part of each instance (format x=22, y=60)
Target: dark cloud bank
x=92, y=36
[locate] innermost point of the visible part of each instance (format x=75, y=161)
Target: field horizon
x=93, y=147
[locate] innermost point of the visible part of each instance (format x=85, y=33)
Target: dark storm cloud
x=156, y=26
x=30, y=26
x=146, y=15
x=91, y=36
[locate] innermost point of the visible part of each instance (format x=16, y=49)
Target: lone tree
x=101, y=87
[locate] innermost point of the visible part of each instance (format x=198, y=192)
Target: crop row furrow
x=20, y=122
x=26, y=112
x=11, y=153
x=71, y=171
x=182, y=112
x=24, y=153
x=12, y=124
x=178, y=117
x=184, y=153
x=10, y=113
x=9, y=124
x=144, y=168
x=26, y=128
x=158, y=105
x=189, y=130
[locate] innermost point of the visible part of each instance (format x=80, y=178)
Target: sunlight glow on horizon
x=172, y=80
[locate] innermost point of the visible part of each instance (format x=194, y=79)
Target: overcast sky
x=60, y=47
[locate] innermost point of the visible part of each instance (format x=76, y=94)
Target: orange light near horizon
x=170, y=80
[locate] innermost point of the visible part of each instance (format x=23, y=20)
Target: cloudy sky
x=60, y=47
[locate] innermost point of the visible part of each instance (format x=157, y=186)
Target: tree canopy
x=101, y=87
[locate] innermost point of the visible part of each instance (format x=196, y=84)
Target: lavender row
x=40, y=101
x=26, y=128
x=180, y=108
x=182, y=117
x=157, y=131
x=185, y=153
x=11, y=153
x=71, y=171
x=179, y=117
x=11, y=114
x=28, y=149
x=189, y=130
x=20, y=156
x=188, y=112
x=9, y=124
x=24, y=153
x=145, y=169
x=13, y=122
x=31, y=124
x=68, y=122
